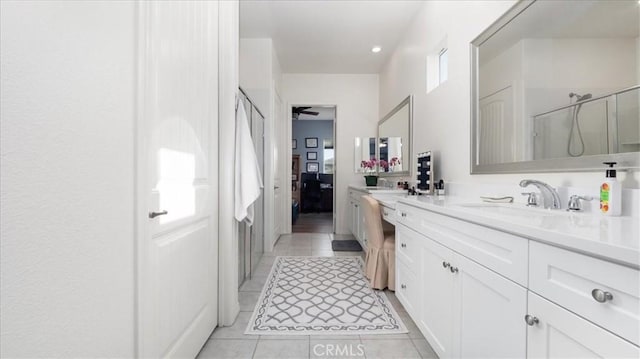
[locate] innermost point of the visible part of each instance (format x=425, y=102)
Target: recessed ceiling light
x=376, y=49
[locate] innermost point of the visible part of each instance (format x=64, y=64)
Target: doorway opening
x=313, y=168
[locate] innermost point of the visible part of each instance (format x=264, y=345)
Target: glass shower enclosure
x=251, y=238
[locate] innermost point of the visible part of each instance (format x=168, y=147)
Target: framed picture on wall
x=294, y=144
x=312, y=167
x=311, y=142
x=312, y=155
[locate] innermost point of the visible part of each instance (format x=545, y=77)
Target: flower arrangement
x=395, y=161
x=369, y=166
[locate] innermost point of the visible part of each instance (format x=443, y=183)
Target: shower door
x=251, y=238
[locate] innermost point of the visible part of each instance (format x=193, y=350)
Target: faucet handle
x=575, y=204
x=531, y=200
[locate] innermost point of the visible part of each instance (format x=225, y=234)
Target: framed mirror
x=394, y=140
x=364, y=151
x=555, y=88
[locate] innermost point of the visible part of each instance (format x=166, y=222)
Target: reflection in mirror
x=365, y=150
x=554, y=92
x=390, y=154
x=394, y=136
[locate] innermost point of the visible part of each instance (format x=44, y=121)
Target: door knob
x=156, y=214
x=601, y=296
x=453, y=269
x=531, y=320
x=403, y=245
x=403, y=286
x=446, y=265
x=276, y=187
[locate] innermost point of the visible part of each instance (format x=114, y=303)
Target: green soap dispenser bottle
x=610, y=193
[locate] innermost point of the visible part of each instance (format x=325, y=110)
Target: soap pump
x=610, y=193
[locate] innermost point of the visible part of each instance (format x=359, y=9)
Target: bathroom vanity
x=504, y=280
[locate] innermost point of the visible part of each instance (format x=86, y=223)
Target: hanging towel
x=248, y=180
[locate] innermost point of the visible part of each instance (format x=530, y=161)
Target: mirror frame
x=407, y=100
x=627, y=160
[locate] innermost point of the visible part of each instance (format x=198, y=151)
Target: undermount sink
x=513, y=209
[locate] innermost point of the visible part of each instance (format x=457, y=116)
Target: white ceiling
x=314, y=36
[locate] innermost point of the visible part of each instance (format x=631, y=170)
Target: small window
x=328, y=155
x=443, y=66
x=437, y=65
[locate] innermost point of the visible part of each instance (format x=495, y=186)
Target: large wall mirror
x=555, y=88
x=394, y=140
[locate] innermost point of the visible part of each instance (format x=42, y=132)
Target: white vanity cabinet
x=463, y=309
x=469, y=287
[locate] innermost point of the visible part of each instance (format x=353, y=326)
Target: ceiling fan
x=303, y=110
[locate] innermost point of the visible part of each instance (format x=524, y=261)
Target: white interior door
x=178, y=179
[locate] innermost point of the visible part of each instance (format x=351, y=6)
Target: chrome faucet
x=550, y=197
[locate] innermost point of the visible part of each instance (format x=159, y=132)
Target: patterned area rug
x=322, y=295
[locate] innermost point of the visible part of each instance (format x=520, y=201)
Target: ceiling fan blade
x=313, y=113
x=300, y=109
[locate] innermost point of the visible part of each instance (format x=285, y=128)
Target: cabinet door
x=354, y=219
x=489, y=312
x=562, y=334
x=350, y=219
x=361, y=231
x=408, y=289
x=436, y=317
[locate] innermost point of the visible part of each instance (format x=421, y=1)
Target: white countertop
x=612, y=238
x=380, y=190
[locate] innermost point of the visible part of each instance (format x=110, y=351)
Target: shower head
x=580, y=97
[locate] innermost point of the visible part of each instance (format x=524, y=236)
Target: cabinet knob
x=453, y=269
x=601, y=296
x=403, y=286
x=403, y=245
x=446, y=265
x=403, y=214
x=531, y=320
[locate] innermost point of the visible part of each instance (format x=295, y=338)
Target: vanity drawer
x=501, y=252
x=569, y=279
x=388, y=214
x=408, y=247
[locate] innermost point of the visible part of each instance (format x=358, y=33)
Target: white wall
x=67, y=151
x=356, y=100
x=442, y=117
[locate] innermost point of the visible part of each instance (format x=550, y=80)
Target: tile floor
x=231, y=342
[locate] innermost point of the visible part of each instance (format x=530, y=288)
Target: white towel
x=247, y=170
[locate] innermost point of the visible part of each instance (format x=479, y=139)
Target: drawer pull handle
x=385, y=213
x=156, y=214
x=601, y=296
x=403, y=286
x=446, y=265
x=453, y=269
x=531, y=321
x=403, y=245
